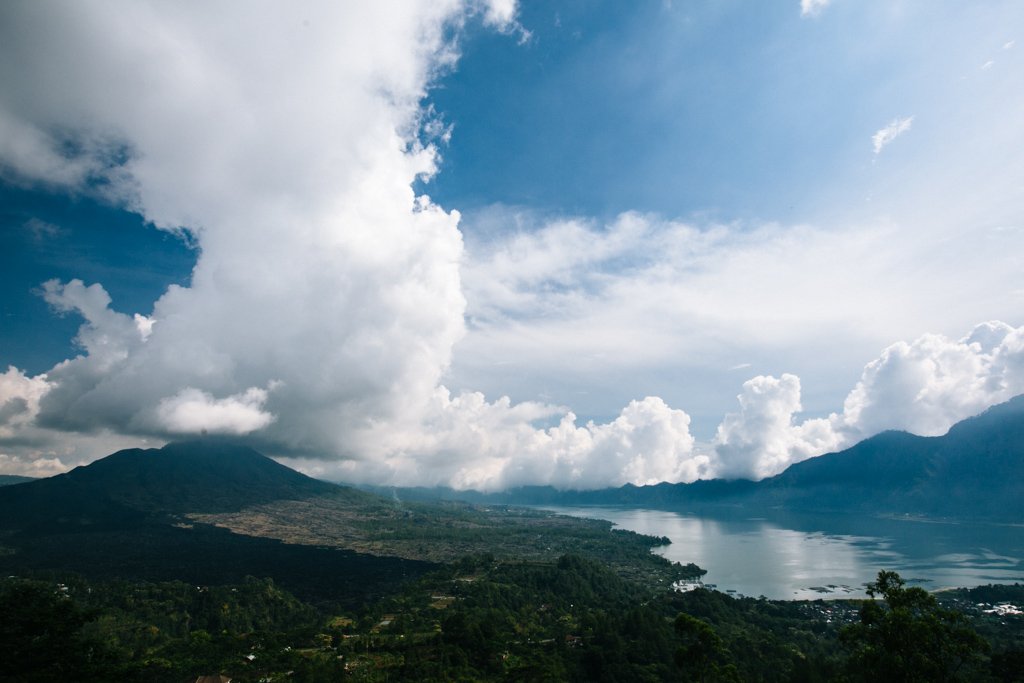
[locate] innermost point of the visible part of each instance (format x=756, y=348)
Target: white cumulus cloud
x=468, y=442
x=31, y=467
x=763, y=439
x=19, y=400
x=927, y=385
x=190, y=411
x=284, y=139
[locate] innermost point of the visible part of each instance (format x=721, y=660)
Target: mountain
x=207, y=475
x=975, y=470
x=134, y=515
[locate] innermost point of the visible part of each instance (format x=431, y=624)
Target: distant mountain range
x=974, y=471
x=11, y=479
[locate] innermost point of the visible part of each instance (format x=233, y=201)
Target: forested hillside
x=480, y=619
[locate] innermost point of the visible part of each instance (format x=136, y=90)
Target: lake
x=805, y=556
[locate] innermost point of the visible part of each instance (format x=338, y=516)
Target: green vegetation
x=910, y=638
x=702, y=655
x=483, y=619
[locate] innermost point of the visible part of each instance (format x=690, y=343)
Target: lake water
x=795, y=556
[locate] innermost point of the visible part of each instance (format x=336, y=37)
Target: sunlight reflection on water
x=815, y=556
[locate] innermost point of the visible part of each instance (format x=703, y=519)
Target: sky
x=484, y=244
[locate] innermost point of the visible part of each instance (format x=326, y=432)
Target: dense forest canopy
x=484, y=620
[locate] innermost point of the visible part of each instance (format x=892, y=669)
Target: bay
x=790, y=556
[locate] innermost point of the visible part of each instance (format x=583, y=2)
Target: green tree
x=702, y=655
x=907, y=637
x=41, y=637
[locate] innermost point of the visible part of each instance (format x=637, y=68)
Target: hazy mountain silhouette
x=12, y=479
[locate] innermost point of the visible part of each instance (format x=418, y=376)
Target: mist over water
x=795, y=556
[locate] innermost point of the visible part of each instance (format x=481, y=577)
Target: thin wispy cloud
x=897, y=127
x=41, y=230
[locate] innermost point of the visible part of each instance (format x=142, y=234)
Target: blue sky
x=46, y=235
x=483, y=244
x=642, y=106
x=725, y=108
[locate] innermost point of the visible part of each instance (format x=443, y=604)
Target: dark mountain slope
x=127, y=516
x=194, y=476
x=880, y=471
x=975, y=470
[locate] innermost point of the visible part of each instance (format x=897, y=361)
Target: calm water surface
x=793, y=556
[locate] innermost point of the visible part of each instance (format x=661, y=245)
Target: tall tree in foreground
x=702, y=654
x=41, y=638
x=907, y=637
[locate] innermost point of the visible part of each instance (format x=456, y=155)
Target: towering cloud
x=285, y=140
x=927, y=385
x=762, y=439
